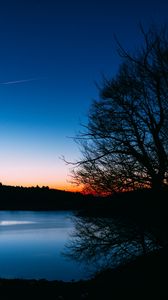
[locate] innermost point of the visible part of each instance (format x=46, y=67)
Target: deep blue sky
x=51, y=54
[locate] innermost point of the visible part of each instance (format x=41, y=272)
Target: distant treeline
x=36, y=198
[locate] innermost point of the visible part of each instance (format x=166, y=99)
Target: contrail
x=18, y=81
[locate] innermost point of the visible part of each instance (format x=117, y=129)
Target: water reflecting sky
x=31, y=246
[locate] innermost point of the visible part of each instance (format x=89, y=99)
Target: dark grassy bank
x=145, y=277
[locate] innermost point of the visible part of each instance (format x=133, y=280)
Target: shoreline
x=146, y=274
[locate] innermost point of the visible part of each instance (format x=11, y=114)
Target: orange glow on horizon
x=60, y=186
x=68, y=187
x=30, y=173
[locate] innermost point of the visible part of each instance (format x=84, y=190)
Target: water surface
x=32, y=243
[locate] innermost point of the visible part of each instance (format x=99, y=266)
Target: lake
x=32, y=246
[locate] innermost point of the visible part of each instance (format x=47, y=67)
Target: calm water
x=31, y=246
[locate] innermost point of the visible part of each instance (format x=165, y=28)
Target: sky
x=51, y=55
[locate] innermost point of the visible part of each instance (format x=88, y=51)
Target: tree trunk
x=157, y=183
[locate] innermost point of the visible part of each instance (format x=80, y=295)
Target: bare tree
x=125, y=143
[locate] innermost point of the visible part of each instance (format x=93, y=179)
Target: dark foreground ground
x=145, y=278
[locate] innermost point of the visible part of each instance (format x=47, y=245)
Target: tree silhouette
x=125, y=143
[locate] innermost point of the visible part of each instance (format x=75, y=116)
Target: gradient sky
x=51, y=55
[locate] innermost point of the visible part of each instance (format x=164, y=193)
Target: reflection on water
x=106, y=242
x=31, y=246
x=8, y=222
